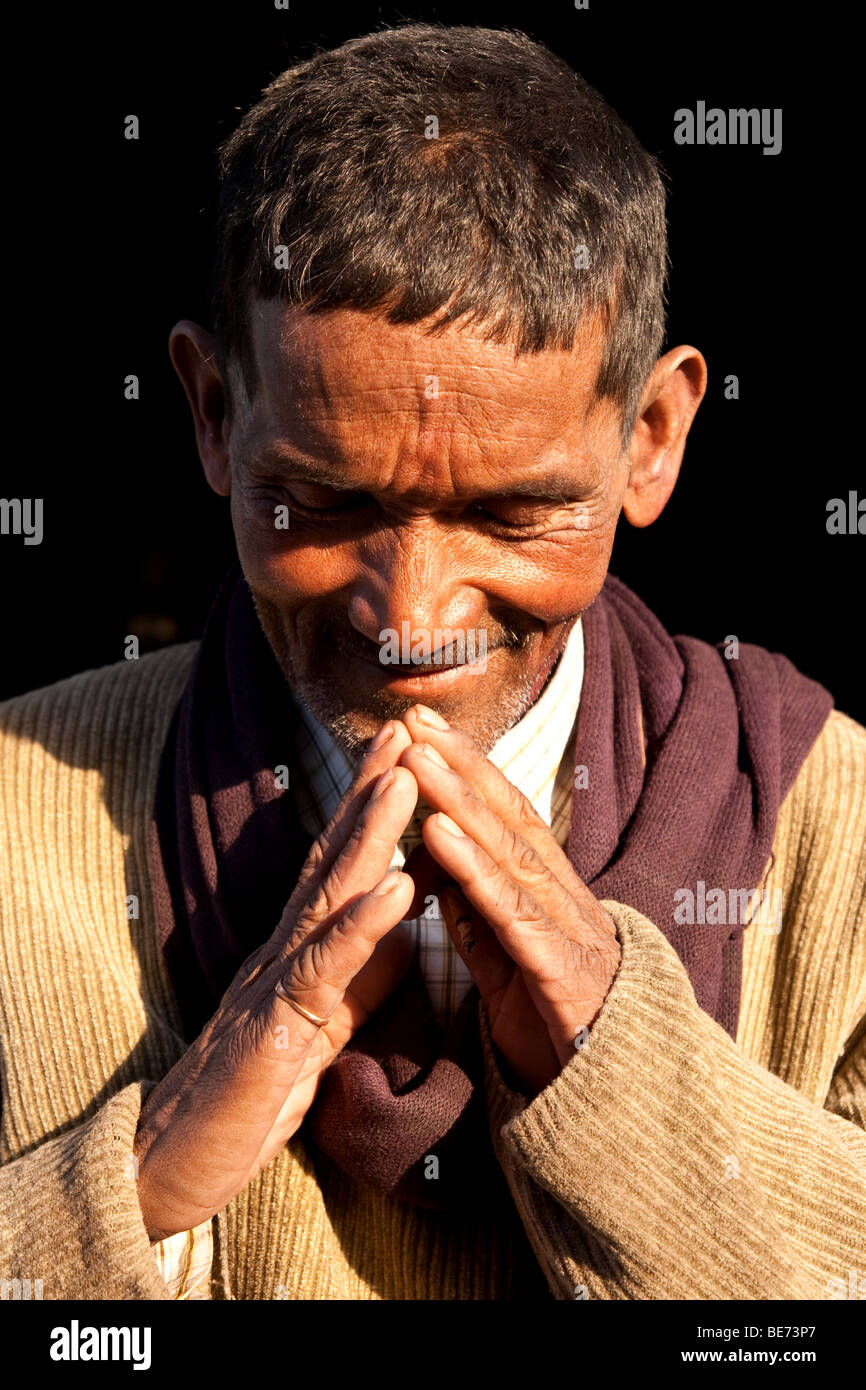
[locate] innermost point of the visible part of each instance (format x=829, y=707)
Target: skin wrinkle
x=325, y=386
x=427, y=544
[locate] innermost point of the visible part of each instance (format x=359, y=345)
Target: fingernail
x=430, y=717
x=386, y=732
x=448, y=824
x=383, y=783
x=432, y=753
x=388, y=884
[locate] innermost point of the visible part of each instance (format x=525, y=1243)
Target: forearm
x=69, y=1212
x=663, y=1164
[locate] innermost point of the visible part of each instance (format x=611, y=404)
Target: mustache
x=349, y=642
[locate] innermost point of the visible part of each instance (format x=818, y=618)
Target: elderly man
x=438, y=926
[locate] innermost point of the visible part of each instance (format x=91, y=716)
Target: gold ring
x=299, y=1008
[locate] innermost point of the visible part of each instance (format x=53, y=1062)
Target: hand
x=540, y=947
x=242, y=1089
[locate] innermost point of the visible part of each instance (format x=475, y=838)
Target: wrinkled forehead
x=349, y=386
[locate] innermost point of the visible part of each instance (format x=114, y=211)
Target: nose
x=414, y=572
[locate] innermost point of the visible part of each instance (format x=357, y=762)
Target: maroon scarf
x=689, y=757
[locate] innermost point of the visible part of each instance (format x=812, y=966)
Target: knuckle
x=238, y=1045
x=526, y=911
x=357, y=837
x=470, y=801
x=316, y=968
x=525, y=812
x=318, y=850
x=465, y=748
x=302, y=976
x=329, y=897
x=517, y=854
x=321, y=963
x=506, y=844
x=259, y=1035
x=526, y=859
x=315, y=859
x=365, y=836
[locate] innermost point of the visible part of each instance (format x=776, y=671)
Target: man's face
x=435, y=486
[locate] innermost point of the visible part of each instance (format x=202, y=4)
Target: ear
x=672, y=395
x=193, y=355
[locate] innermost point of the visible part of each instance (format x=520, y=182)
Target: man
x=438, y=927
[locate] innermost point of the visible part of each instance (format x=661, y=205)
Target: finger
x=382, y=973
x=365, y=856
x=476, y=944
x=553, y=963
x=394, y=739
x=448, y=791
x=427, y=876
x=320, y=970
x=508, y=908
x=463, y=755
x=500, y=984
x=326, y=848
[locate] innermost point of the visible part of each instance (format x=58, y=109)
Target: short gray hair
x=483, y=222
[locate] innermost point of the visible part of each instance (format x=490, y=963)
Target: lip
x=430, y=681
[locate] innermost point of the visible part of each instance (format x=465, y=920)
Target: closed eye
x=515, y=515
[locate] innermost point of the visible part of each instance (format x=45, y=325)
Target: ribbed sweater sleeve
x=69, y=1211
x=663, y=1164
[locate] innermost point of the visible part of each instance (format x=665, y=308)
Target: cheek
x=562, y=575
x=552, y=578
x=288, y=569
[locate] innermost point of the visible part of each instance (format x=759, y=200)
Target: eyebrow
x=291, y=467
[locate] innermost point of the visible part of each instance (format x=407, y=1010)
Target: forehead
x=350, y=388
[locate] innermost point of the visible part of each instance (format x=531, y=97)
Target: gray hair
x=427, y=168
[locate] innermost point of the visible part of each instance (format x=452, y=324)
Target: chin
x=489, y=705
x=485, y=715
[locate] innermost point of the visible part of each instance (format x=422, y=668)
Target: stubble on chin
x=352, y=730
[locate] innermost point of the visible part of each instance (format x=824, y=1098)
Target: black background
x=111, y=244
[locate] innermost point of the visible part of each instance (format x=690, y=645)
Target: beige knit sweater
x=664, y=1162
